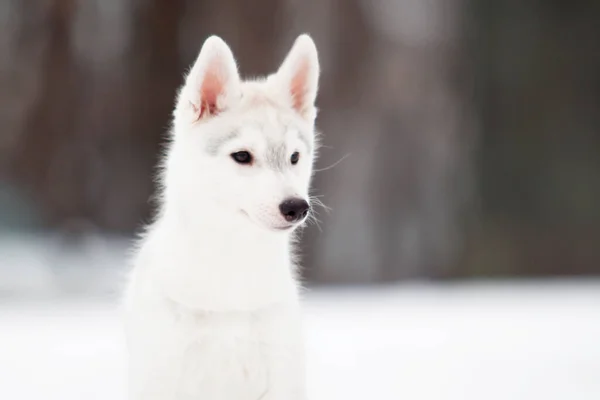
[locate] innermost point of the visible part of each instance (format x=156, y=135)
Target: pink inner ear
x=211, y=89
x=298, y=87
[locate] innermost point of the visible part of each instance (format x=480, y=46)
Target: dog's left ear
x=213, y=84
x=299, y=77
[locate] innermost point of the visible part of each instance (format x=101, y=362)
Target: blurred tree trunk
x=253, y=30
x=391, y=93
x=20, y=59
x=151, y=73
x=49, y=125
x=537, y=73
x=88, y=149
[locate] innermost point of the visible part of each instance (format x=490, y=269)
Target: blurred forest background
x=472, y=127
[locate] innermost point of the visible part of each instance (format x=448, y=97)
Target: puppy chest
x=240, y=356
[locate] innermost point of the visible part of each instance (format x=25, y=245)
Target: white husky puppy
x=212, y=308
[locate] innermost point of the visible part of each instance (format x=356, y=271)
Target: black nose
x=294, y=210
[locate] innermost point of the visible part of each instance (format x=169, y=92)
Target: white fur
x=212, y=307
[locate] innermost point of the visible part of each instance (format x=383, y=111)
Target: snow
x=512, y=340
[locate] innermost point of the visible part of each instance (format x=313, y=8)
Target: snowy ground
x=511, y=341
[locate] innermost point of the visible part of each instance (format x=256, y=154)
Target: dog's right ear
x=299, y=77
x=213, y=84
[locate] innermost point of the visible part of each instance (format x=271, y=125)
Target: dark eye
x=242, y=157
x=295, y=157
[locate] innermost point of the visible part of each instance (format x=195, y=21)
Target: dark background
x=468, y=130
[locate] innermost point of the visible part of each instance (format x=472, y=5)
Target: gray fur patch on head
x=215, y=143
x=303, y=137
x=276, y=157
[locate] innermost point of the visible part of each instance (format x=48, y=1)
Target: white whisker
x=334, y=164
